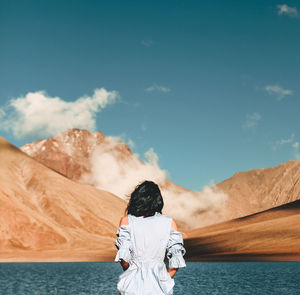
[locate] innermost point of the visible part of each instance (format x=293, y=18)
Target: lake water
x=95, y=278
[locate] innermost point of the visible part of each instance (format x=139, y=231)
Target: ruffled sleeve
x=123, y=244
x=175, y=250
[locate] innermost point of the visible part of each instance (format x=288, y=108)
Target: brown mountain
x=72, y=153
x=261, y=189
x=273, y=234
x=46, y=216
x=248, y=192
x=69, y=152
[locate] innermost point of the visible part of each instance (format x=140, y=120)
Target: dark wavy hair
x=145, y=200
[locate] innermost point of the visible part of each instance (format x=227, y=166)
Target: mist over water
x=95, y=278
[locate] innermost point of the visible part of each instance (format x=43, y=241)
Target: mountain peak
x=69, y=152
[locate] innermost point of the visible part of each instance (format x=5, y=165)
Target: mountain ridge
x=260, y=189
x=45, y=217
x=105, y=162
x=248, y=191
x=44, y=214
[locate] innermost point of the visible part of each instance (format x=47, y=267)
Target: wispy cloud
x=284, y=9
x=123, y=138
x=290, y=141
x=295, y=146
x=296, y=151
x=131, y=143
x=147, y=43
x=158, y=88
x=2, y=113
x=37, y=114
x=278, y=91
x=252, y=120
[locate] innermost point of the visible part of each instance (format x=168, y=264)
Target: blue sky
x=212, y=86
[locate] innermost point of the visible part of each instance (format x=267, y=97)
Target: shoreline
x=94, y=257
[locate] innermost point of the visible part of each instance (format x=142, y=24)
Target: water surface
x=93, y=278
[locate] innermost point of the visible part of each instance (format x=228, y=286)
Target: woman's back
x=149, y=236
x=143, y=243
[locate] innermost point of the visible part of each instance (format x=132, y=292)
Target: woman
x=143, y=238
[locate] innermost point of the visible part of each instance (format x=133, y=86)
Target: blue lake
x=82, y=278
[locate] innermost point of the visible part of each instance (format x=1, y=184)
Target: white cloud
x=131, y=143
x=278, y=91
x=122, y=139
x=158, y=88
x=114, y=170
x=37, y=114
x=284, y=9
x=252, y=120
x=2, y=113
x=296, y=149
x=195, y=209
x=151, y=157
x=118, y=173
x=290, y=141
x=280, y=142
x=147, y=43
x=295, y=145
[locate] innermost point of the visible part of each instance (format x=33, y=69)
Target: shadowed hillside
x=273, y=234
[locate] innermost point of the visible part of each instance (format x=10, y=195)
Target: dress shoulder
x=165, y=218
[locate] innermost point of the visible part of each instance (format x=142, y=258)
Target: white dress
x=143, y=243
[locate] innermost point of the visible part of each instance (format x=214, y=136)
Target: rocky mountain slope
x=71, y=154
x=105, y=163
x=261, y=189
x=46, y=216
x=273, y=234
